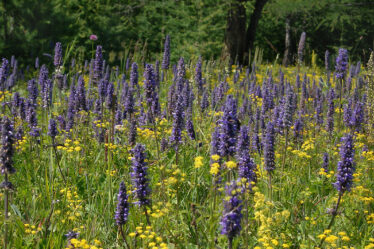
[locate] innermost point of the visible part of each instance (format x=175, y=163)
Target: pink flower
x=93, y=37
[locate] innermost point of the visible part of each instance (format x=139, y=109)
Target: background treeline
x=30, y=28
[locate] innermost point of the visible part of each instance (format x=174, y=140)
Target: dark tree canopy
x=211, y=28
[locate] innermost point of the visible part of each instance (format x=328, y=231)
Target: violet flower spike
x=269, y=148
x=231, y=216
x=346, y=165
x=99, y=63
x=52, y=128
x=139, y=176
x=122, y=211
x=58, y=55
x=7, y=150
x=341, y=63
x=166, y=57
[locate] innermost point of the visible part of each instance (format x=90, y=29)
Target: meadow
x=197, y=154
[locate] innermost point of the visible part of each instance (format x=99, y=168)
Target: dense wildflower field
x=194, y=155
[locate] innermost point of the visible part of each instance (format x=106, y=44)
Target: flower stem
x=123, y=237
x=334, y=213
x=6, y=216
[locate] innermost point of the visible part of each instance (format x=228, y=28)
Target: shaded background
x=30, y=28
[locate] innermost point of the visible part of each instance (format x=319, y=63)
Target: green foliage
x=32, y=27
x=120, y=26
x=328, y=24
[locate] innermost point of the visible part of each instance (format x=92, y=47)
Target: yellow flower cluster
x=70, y=146
x=31, y=229
x=162, y=122
x=74, y=205
x=257, y=100
x=111, y=172
x=111, y=146
x=214, y=167
x=327, y=174
x=270, y=222
x=338, y=110
x=5, y=94
x=370, y=218
x=145, y=133
x=218, y=114
x=308, y=144
x=198, y=162
x=215, y=157
x=369, y=155
x=371, y=244
x=301, y=154
x=83, y=244
x=363, y=194
x=171, y=182
x=231, y=165
x=20, y=145
x=333, y=240
x=160, y=209
x=153, y=241
x=100, y=124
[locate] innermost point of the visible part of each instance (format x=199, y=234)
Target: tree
x=239, y=39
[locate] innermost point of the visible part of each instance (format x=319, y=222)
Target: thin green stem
x=334, y=214
x=6, y=215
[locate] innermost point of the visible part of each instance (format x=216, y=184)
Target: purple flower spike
x=134, y=75
x=231, y=216
x=122, y=211
x=139, y=176
x=246, y=165
x=166, y=58
x=269, y=145
x=52, y=128
x=7, y=151
x=99, y=63
x=58, y=55
x=341, y=63
x=346, y=165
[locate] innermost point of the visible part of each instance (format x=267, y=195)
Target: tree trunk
x=251, y=30
x=235, y=31
x=287, y=43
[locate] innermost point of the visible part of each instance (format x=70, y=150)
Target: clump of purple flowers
x=98, y=66
x=122, y=210
x=139, y=176
x=330, y=111
x=7, y=151
x=247, y=166
x=341, y=63
x=134, y=75
x=58, y=55
x=346, y=165
x=229, y=125
x=52, y=128
x=166, y=57
x=178, y=123
x=269, y=145
x=231, y=216
x=4, y=71
x=190, y=129
x=198, y=75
